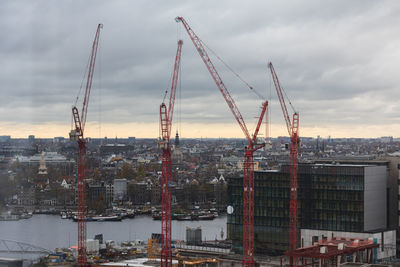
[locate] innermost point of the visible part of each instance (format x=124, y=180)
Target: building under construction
x=334, y=199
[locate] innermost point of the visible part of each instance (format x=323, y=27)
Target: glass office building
x=346, y=198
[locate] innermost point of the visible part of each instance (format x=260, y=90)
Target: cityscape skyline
x=169, y=123
x=185, y=131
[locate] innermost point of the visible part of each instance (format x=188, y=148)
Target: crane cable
x=170, y=78
x=235, y=73
x=180, y=100
x=100, y=79
x=83, y=79
x=80, y=90
x=269, y=122
x=166, y=90
x=290, y=102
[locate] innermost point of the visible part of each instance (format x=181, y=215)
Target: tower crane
x=248, y=166
x=293, y=130
x=166, y=115
x=77, y=135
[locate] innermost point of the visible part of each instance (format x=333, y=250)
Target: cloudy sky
x=338, y=62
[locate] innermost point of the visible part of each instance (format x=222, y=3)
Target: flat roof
x=333, y=248
x=9, y=259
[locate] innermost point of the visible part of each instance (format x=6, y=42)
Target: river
x=50, y=231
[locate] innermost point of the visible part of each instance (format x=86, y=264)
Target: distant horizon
x=195, y=130
x=187, y=138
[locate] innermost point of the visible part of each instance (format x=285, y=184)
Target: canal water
x=50, y=231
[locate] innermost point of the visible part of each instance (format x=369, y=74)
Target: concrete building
x=118, y=149
x=48, y=157
x=120, y=189
x=331, y=197
x=5, y=138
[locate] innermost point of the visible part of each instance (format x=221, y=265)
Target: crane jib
x=77, y=135
x=248, y=164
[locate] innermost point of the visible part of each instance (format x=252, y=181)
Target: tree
x=96, y=174
x=141, y=173
x=7, y=188
x=127, y=171
x=61, y=194
x=98, y=205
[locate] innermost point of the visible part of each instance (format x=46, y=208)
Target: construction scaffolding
x=332, y=252
x=152, y=250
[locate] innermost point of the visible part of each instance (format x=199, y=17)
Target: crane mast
x=293, y=130
x=248, y=166
x=77, y=135
x=166, y=115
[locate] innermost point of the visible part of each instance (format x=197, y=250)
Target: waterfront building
x=26, y=196
x=120, y=189
x=142, y=192
x=335, y=198
x=99, y=193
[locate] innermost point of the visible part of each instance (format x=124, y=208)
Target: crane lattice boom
x=77, y=135
x=293, y=130
x=248, y=165
x=213, y=71
x=281, y=99
x=166, y=115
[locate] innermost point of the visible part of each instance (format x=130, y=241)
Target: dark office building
x=96, y=193
x=392, y=165
x=345, y=198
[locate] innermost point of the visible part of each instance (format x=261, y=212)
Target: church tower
x=42, y=177
x=177, y=139
x=42, y=165
x=177, y=155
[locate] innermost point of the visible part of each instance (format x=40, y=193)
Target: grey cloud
x=330, y=56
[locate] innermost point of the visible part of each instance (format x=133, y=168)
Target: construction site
x=306, y=214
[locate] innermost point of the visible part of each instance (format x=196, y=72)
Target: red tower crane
x=248, y=166
x=166, y=114
x=77, y=135
x=293, y=130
